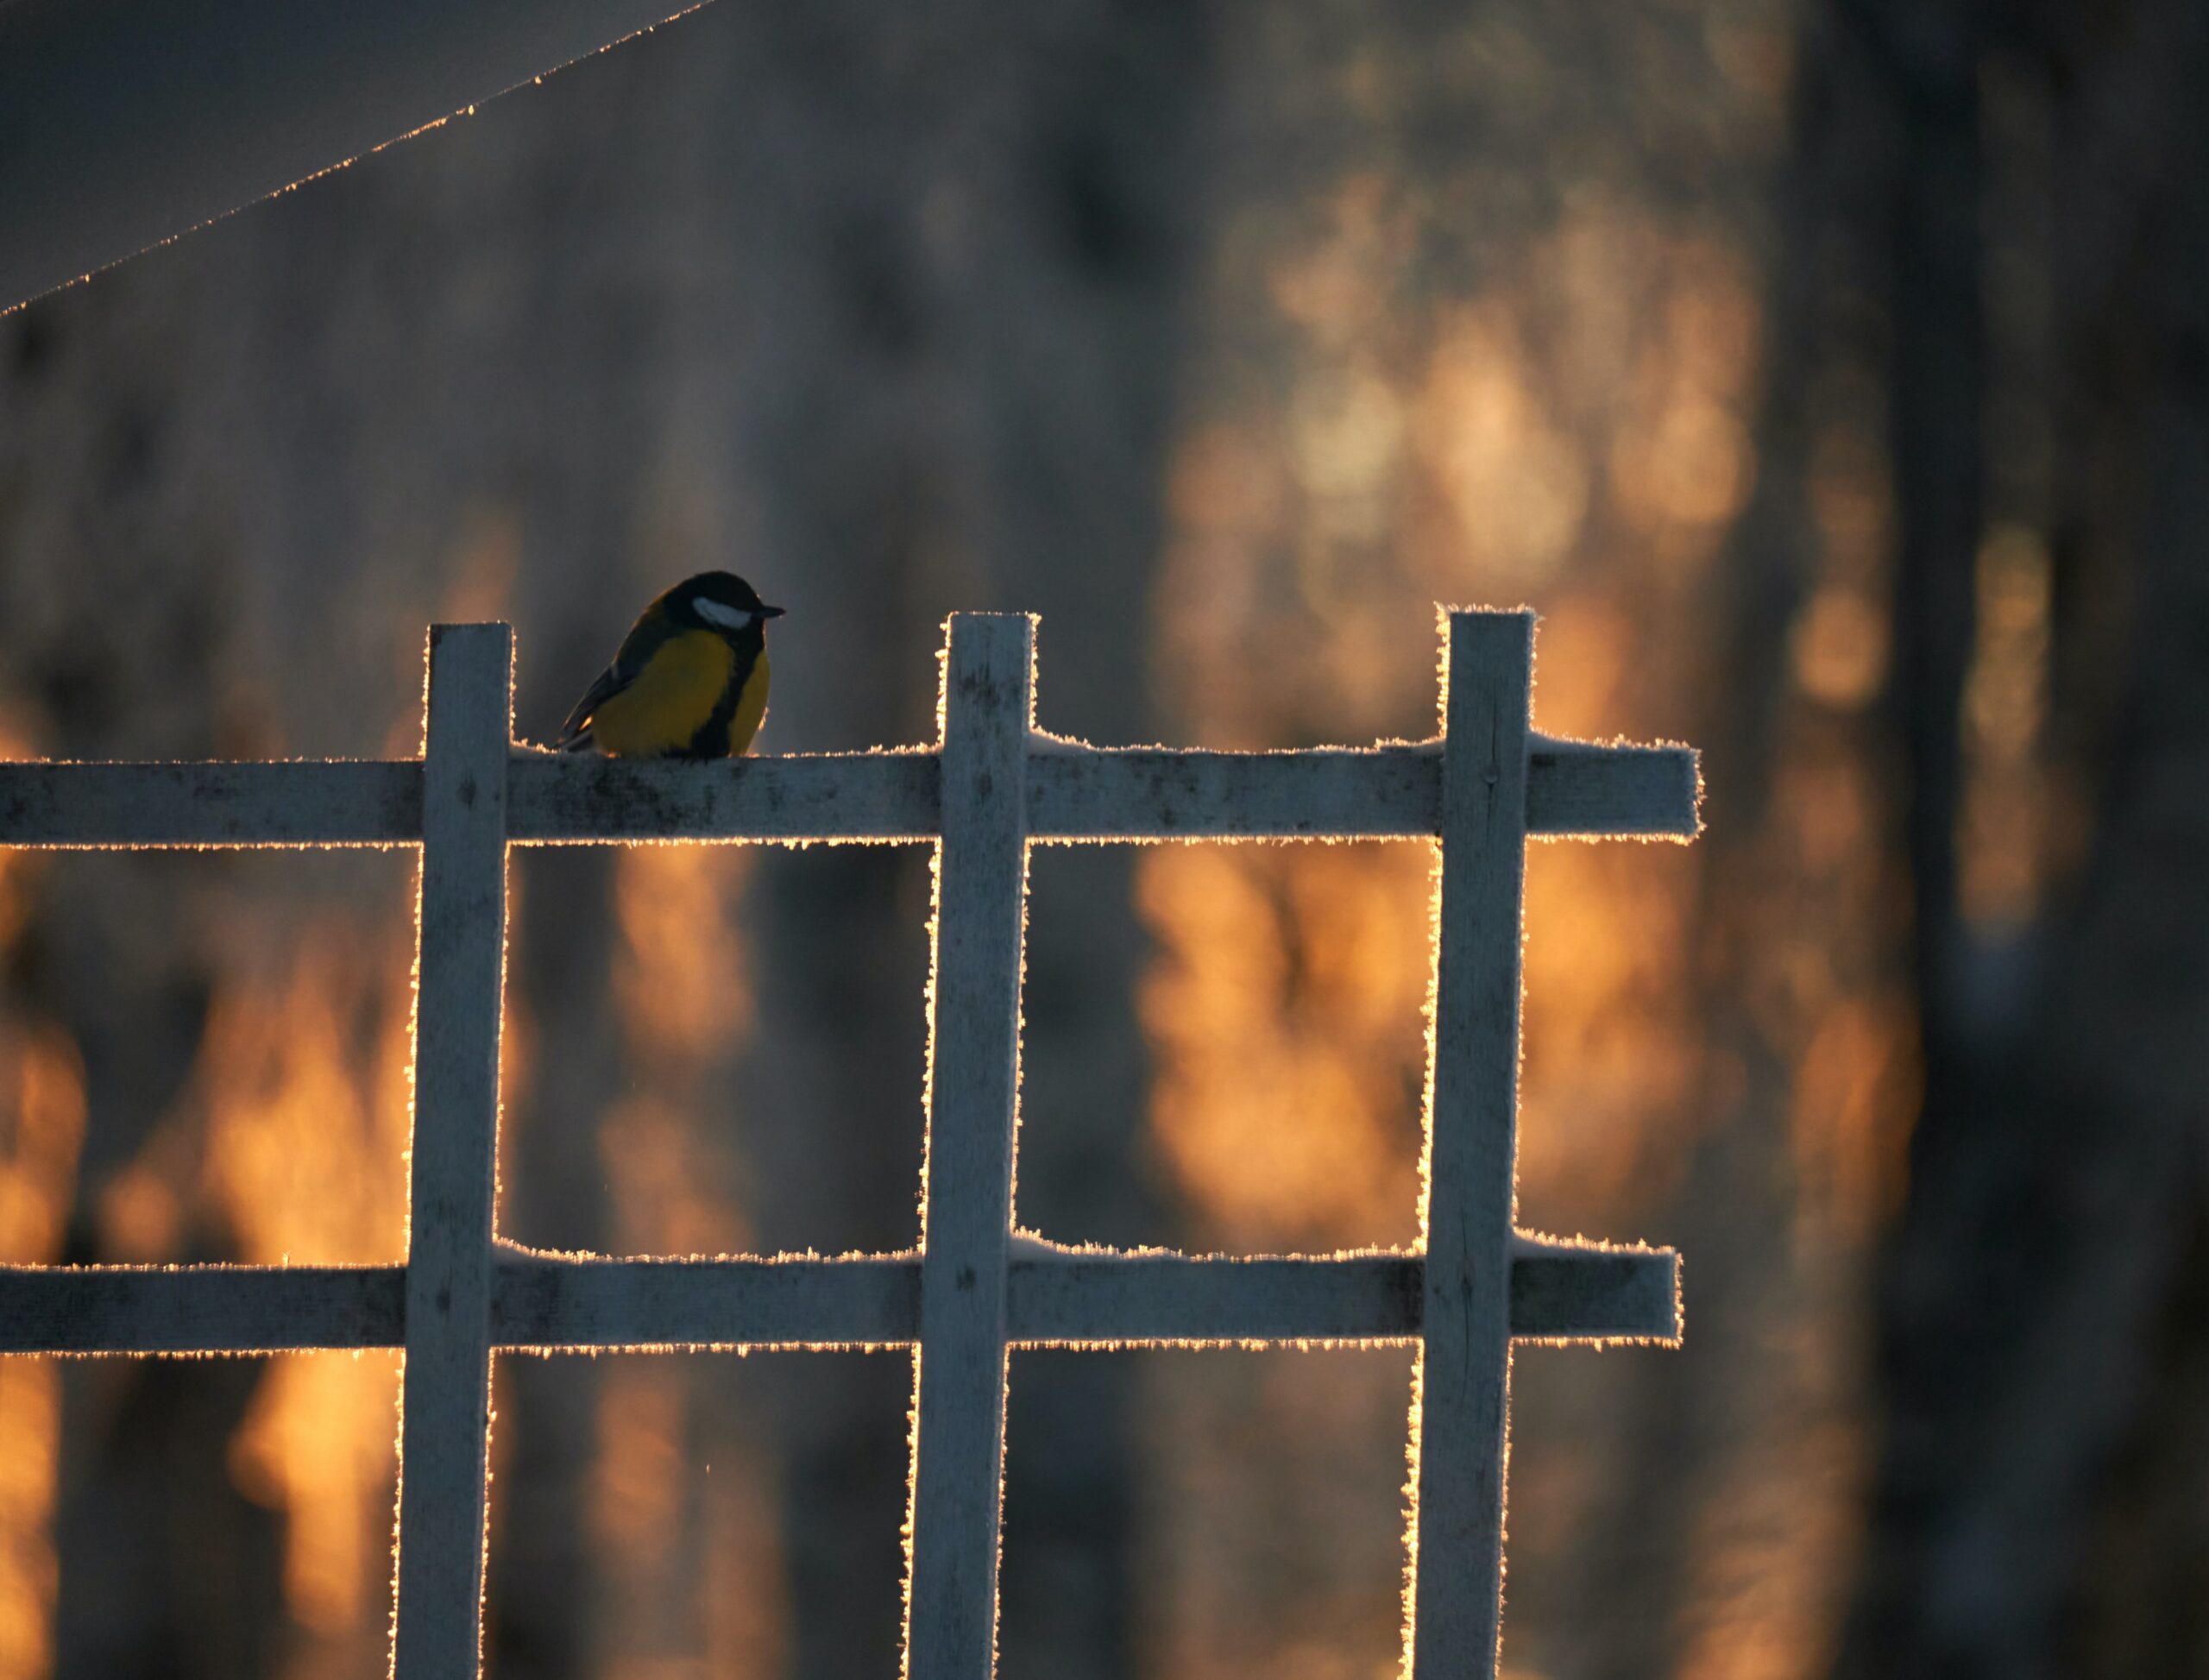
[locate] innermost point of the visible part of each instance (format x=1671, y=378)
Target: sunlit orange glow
x=680, y=982
x=1257, y=1452
x=43, y=1116
x=1572, y=431
x=30, y=1424
x=42, y=1131
x=683, y=1525
x=303, y=1077
x=1854, y=1092
x=689, y=1544
x=1692, y=470
x=1610, y=1054
x=670, y=1194
x=1999, y=857
x=683, y=994
x=316, y=1444
x=747, y=1589
x=636, y=1485
x=1829, y=1006
x=1839, y=646
x=1850, y=501
x=1759, y=59
x=1345, y=431
x=486, y=556
x=1610, y=1039
x=42, y=1085
x=1516, y=481
x=15, y=867
x=1749, y=1620
x=301, y=1155
x=1682, y=464
x=1284, y=1012
x=1337, y=288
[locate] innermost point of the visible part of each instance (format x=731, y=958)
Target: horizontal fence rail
x=1075, y=794
x=559, y=1303
x=976, y=1286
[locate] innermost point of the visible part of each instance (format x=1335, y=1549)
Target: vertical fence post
x=966, y=1210
x=1461, y=1409
x=445, y=1396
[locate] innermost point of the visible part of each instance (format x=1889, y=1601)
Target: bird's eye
x=714, y=612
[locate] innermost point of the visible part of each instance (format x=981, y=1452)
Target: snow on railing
x=976, y=1287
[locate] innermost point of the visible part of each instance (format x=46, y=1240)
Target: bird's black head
x=719, y=601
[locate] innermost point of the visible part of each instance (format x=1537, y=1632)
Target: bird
x=689, y=680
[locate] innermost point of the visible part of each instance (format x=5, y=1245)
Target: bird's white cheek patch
x=714, y=612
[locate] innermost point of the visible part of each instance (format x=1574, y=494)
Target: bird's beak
x=771, y=612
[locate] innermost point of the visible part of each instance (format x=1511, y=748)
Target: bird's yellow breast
x=673, y=697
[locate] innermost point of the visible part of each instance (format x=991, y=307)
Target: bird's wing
x=610, y=682
x=644, y=640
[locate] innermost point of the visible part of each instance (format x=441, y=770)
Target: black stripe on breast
x=711, y=740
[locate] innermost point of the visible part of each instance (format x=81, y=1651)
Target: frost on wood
x=1082, y=1297
x=1075, y=794
x=958, y=1474
x=445, y=1390
x=991, y=787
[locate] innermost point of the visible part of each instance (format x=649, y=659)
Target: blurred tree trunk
x=1922, y=69
x=2034, y=1317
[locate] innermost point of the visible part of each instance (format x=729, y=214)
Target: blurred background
x=1832, y=375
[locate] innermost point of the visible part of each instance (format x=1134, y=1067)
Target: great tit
x=689, y=680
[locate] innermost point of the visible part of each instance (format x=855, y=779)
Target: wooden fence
x=974, y=1287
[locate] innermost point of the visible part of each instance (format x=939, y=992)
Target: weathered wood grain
x=445, y=1401
x=199, y=1309
x=551, y=1303
x=1570, y=1292
x=967, y=1197
x=300, y=803
x=1557, y=1294
x=877, y=796
x=1580, y=790
x=1461, y=1410
x=555, y=1303
x=1575, y=788
x=1075, y=794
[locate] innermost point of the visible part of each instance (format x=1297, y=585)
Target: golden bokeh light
x=304, y=1086
x=2001, y=857
x=1283, y=1011
x=41, y=1133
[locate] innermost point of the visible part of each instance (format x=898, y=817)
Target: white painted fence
x=973, y=1290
